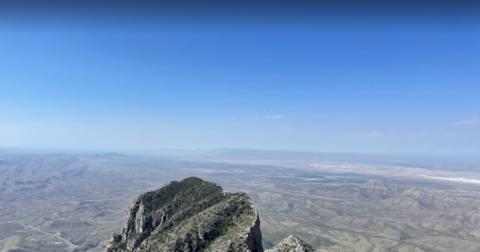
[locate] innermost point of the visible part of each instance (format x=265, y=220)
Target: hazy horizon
x=238, y=153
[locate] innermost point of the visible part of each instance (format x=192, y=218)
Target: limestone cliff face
x=190, y=215
x=139, y=225
x=187, y=216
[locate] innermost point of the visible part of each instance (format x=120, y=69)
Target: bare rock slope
x=193, y=215
x=292, y=244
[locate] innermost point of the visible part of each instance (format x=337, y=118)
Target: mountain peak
x=292, y=244
x=191, y=215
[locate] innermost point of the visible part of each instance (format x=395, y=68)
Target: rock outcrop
x=292, y=244
x=190, y=215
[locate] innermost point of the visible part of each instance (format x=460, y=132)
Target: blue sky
x=405, y=89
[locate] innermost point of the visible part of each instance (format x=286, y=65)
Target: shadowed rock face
x=190, y=215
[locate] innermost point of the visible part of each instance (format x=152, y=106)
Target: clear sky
x=408, y=87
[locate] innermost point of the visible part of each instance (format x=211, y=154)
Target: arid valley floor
x=336, y=202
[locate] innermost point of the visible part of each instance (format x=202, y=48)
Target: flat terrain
x=60, y=202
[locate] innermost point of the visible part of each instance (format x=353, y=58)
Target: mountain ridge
x=193, y=215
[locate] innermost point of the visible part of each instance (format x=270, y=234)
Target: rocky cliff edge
x=193, y=215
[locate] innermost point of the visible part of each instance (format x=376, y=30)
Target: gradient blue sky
x=408, y=89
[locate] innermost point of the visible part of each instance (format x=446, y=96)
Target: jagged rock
x=190, y=215
x=292, y=244
x=116, y=238
x=194, y=215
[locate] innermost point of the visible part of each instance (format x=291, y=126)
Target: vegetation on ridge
x=190, y=215
x=179, y=195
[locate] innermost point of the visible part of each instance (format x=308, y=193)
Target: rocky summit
x=292, y=244
x=194, y=215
